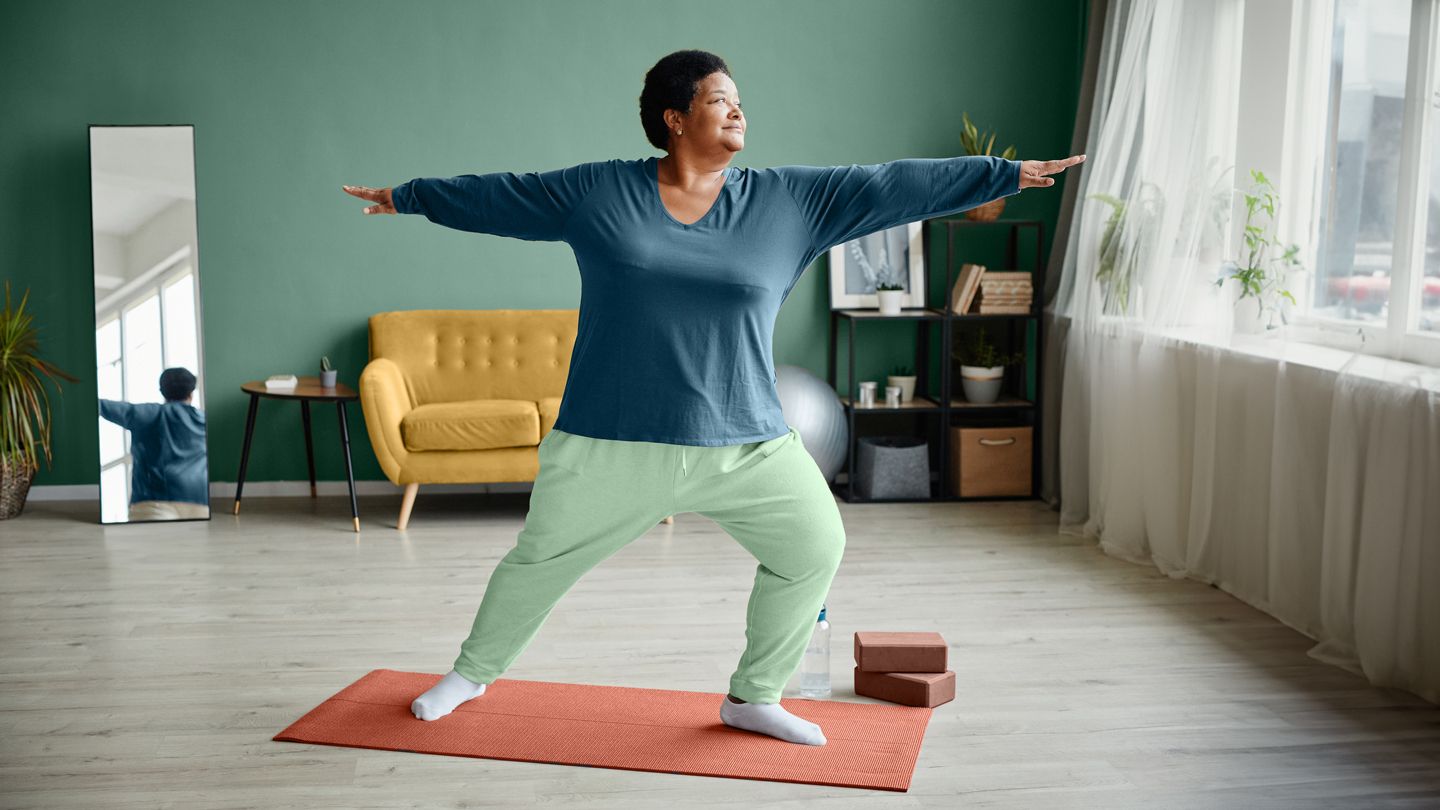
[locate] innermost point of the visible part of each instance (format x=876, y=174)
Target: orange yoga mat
x=868, y=745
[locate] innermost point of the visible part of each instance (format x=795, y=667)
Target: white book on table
x=281, y=381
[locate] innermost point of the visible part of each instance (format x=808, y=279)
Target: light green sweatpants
x=593, y=496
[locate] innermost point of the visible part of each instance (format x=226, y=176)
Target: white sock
x=772, y=719
x=443, y=697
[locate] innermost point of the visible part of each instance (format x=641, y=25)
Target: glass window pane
x=1430, y=217
x=107, y=342
x=143, y=359
x=115, y=494
x=182, y=347
x=1368, y=67
x=112, y=441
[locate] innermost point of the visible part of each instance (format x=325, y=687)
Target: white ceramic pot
x=890, y=301
x=907, y=386
x=981, y=384
x=1249, y=318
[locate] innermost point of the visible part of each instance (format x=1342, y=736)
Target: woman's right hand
x=375, y=195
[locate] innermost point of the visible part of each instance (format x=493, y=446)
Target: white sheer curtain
x=1302, y=479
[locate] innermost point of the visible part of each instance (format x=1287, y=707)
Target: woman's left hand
x=1033, y=172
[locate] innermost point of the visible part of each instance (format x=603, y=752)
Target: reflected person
x=169, y=477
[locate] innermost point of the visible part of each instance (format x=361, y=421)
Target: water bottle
x=815, y=669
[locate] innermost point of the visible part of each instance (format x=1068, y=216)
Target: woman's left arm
x=841, y=203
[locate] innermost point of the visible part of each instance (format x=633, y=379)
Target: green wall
x=292, y=99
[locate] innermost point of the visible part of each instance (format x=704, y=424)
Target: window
x=1377, y=251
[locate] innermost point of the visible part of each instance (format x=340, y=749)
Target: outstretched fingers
x=376, y=195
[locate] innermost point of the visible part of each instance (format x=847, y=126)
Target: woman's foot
x=771, y=719
x=443, y=697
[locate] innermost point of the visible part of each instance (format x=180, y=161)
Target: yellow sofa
x=464, y=396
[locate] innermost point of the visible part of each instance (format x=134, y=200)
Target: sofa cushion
x=476, y=424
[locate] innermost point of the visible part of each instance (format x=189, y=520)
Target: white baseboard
x=225, y=490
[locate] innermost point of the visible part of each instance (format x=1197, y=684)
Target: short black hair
x=176, y=384
x=670, y=85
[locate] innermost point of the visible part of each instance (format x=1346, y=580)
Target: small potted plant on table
x=327, y=374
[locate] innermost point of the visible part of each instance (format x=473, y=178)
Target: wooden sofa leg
x=668, y=519
x=406, y=504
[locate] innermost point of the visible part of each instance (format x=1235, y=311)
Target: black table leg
x=349, y=472
x=245, y=451
x=309, y=446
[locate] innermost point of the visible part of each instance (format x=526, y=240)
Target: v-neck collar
x=652, y=179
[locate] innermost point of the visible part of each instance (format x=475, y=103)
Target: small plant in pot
x=904, y=377
x=975, y=143
x=327, y=374
x=1257, y=287
x=891, y=295
x=24, y=406
x=1128, y=240
x=982, y=366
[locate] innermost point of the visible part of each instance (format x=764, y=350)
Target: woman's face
x=715, y=120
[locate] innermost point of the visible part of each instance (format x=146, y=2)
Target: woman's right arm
x=535, y=206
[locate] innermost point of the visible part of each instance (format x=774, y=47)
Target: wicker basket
x=15, y=478
x=988, y=212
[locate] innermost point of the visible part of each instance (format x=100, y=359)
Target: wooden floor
x=149, y=665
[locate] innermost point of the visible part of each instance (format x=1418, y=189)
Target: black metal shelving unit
x=1012, y=408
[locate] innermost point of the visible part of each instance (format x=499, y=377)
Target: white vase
x=890, y=301
x=981, y=384
x=1249, y=318
x=907, y=386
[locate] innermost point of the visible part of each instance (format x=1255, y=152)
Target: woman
x=670, y=403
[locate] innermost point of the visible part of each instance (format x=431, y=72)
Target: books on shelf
x=983, y=292
x=962, y=295
x=280, y=381
x=1007, y=293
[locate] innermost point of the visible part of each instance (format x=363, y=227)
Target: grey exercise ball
x=812, y=407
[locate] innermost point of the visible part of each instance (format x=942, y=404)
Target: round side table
x=306, y=390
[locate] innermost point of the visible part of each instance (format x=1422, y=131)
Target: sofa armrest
x=385, y=400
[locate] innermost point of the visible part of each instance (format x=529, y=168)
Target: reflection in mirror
x=153, y=462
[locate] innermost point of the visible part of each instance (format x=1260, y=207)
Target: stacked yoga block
x=906, y=668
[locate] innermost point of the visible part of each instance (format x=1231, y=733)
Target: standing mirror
x=153, y=463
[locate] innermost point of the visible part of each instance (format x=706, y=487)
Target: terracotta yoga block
x=900, y=652
x=926, y=689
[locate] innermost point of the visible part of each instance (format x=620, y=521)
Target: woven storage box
x=990, y=461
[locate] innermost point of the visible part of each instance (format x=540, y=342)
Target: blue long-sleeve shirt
x=167, y=449
x=676, y=320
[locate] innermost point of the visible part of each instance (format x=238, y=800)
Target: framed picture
x=895, y=255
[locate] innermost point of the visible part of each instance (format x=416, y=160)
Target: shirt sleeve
x=841, y=203
x=116, y=411
x=535, y=205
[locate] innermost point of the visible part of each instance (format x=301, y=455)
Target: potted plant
x=904, y=377
x=976, y=143
x=1257, y=289
x=982, y=366
x=24, y=406
x=891, y=295
x=1126, y=240
x=327, y=374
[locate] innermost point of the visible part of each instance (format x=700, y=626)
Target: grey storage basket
x=892, y=467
